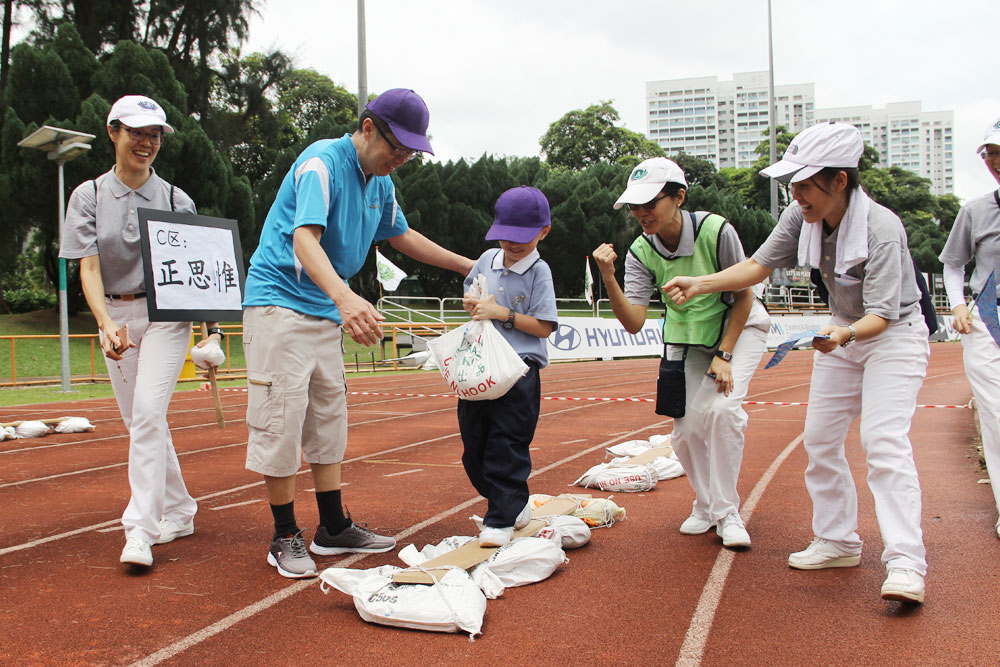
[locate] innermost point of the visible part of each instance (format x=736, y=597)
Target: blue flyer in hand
x=784, y=348
x=986, y=302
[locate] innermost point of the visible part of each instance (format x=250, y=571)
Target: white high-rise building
x=905, y=136
x=722, y=121
x=725, y=121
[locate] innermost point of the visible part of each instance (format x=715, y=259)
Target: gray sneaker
x=289, y=555
x=353, y=539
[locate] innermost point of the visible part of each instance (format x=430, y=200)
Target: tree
x=584, y=137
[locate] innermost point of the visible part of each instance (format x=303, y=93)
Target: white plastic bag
x=451, y=605
x=32, y=429
x=625, y=477
x=597, y=512
x=411, y=556
x=569, y=532
x=523, y=561
x=628, y=448
x=475, y=360
x=209, y=355
x=74, y=425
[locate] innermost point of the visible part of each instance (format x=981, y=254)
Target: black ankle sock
x=284, y=519
x=331, y=512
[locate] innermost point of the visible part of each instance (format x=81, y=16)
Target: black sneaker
x=353, y=539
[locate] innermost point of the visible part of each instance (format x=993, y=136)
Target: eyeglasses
x=154, y=138
x=648, y=206
x=397, y=151
x=990, y=155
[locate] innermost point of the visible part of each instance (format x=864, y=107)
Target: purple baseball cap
x=520, y=213
x=406, y=115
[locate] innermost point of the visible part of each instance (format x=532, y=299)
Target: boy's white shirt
x=519, y=266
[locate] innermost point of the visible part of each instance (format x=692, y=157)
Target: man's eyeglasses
x=154, y=138
x=648, y=206
x=397, y=151
x=990, y=155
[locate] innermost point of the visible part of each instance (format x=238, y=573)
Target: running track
x=639, y=594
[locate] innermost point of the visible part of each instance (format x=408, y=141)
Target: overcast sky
x=495, y=74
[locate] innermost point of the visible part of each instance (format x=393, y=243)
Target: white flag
x=588, y=285
x=388, y=273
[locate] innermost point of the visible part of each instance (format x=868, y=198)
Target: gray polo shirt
x=115, y=237
x=882, y=285
x=976, y=234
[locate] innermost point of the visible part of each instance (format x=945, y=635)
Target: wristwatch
x=854, y=334
x=725, y=356
x=216, y=330
x=509, y=322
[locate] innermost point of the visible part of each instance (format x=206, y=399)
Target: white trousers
x=710, y=445
x=144, y=382
x=982, y=366
x=877, y=379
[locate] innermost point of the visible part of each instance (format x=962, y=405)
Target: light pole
x=61, y=146
x=772, y=112
x=362, y=60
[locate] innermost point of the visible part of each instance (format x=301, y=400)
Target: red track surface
x=640, y=593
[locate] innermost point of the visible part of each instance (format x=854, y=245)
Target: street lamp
x=61, y=146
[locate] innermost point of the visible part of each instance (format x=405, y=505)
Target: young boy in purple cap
x=522, y=304
x=336, y=200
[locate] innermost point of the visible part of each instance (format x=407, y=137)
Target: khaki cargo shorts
x=297, y=391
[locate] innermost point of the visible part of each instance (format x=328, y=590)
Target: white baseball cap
x=139, y=111
x=991, y=136
x=815, y=148
x=648, y=178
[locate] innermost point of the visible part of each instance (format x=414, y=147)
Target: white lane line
x=570, y=442
x=405, y=472
x=224, y=624
x=693, y=648
x=245, y=502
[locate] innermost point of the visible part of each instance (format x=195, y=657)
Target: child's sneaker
x=353, y=539
x=170, y=530
x=137, y=552
x=495, y=537
x=524, y=518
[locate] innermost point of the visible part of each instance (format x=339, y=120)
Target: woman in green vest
x=712, y=344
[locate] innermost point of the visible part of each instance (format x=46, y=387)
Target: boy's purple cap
x=520, y=213
x=406, y=115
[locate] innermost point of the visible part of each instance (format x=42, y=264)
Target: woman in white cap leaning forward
x=976, y=235
x=144, y=358
x=713, y=342
x=872, y=363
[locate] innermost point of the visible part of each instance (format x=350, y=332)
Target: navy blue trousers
x=496, y=435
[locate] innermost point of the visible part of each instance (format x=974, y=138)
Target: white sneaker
x=170, y=530
x=524, y=518
x=137, y=552
x=695, y=525
x=903, y=585
x=821, y=554
x=495, y=537
x=998, y=527
x=732, y=531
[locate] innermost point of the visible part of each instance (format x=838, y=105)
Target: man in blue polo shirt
x=336, y=200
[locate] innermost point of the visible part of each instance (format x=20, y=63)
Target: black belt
x=126, y=297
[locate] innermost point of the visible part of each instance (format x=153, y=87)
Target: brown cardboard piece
x=650, y=454
x=471, y=554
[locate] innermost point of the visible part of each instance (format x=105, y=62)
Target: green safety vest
x=698, y=321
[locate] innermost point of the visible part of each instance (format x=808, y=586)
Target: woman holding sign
x=871, y=357
x=712, y=346
x=144, y=358
x=976, y=235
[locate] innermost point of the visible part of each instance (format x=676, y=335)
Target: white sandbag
x=451, y=605
x=74, y=425
x=665, y=467
x=569, y=532
x=597, y=512
x=31, y=429
x=628, y=448
x=209, y=355
x=411, y=556
x=7, y=433
x=487, y=580
x=659, y=440
x=623, y=477
x=524, y=561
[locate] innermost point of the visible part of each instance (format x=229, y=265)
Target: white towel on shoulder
x=852, y=242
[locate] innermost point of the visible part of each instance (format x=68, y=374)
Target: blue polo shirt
x=525, y=287
x=324, y=187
